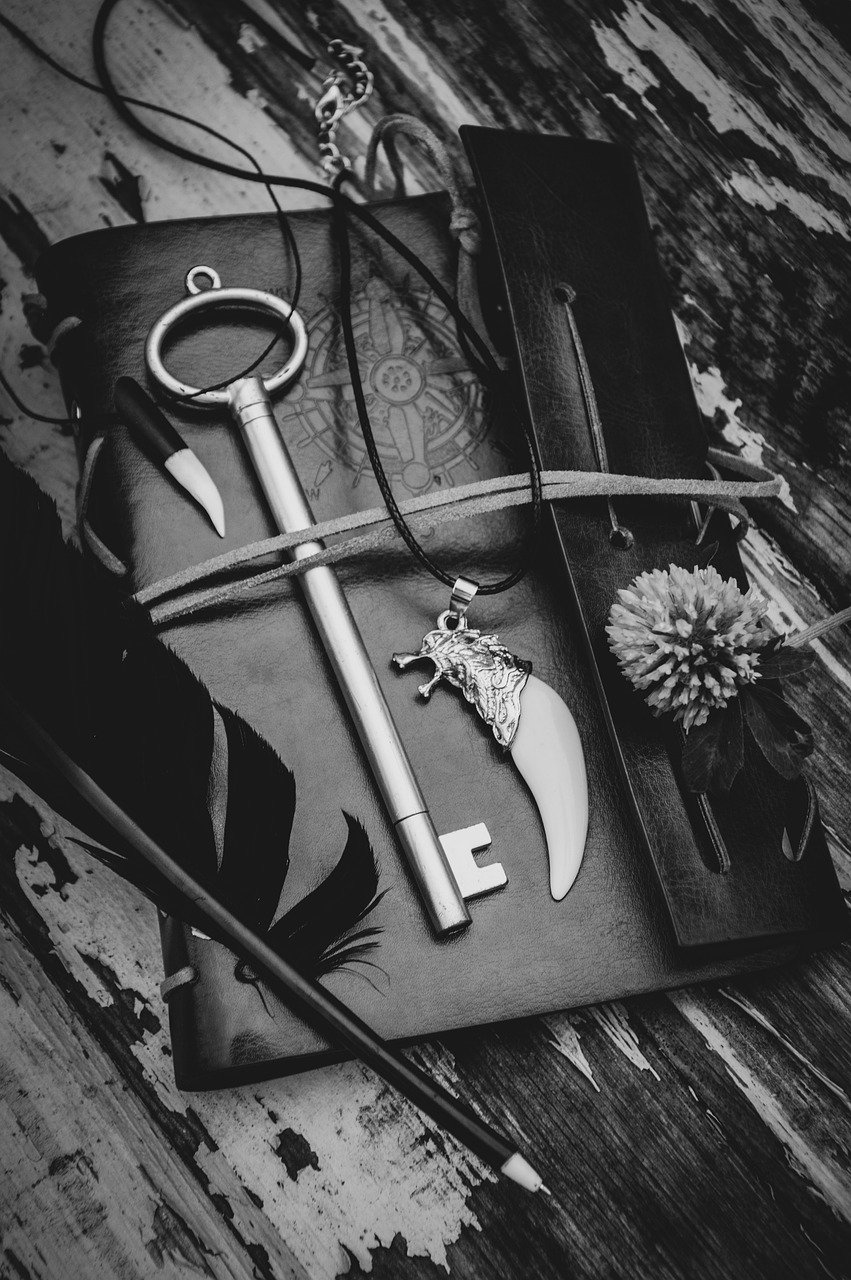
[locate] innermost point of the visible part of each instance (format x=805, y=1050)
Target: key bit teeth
x=460, y=847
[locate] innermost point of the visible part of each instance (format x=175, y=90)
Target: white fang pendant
x=529, y=720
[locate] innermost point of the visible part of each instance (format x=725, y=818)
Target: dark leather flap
x=563, y=211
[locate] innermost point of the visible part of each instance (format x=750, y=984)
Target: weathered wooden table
x=702, y=1133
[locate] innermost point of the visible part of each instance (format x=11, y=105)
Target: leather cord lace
x=341, y=231
x=464, y=223
x=358, y=533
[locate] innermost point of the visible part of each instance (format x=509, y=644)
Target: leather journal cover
x=649, y=908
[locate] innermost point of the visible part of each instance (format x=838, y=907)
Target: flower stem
x=819, y=629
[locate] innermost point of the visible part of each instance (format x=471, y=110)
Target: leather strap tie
x=361, y=531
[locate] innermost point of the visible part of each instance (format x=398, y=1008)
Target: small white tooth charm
x=528, y=719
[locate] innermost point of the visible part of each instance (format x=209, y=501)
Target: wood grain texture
x=702, y=1134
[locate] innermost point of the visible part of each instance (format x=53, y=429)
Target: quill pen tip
x=519, y=1170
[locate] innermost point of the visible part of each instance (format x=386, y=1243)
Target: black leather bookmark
x=568, y=212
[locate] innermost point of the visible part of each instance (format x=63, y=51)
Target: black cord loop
x=343, y=207
x=405, y=532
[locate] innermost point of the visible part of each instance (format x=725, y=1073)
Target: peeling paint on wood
x=828, y=1176
x=742, y=1003
x=614, y=1020
x=770, y=193
x=126, y=188
x=566, y=1040
x=295, y=1153
x=346, y=1116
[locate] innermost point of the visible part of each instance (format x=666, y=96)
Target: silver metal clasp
x=461, y=598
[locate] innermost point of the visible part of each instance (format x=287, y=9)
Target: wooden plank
x=702, y=1134
x=307, y=1156
x=87, y=1162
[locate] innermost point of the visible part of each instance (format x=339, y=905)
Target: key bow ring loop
x=206, y=299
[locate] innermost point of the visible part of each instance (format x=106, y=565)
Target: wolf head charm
x=488, y=675
x=529, y=720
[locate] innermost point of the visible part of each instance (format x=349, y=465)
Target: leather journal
x=651, y=907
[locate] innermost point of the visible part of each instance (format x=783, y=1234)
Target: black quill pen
x=84, y=689
x=84, y=663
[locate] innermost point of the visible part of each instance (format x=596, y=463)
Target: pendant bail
x=462, y=595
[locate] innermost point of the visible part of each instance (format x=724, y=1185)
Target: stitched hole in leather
x=710, y=842
x=800, y=815
x=622, y=537
x=713, y=851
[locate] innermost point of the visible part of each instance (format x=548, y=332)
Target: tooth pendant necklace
x=528, y=719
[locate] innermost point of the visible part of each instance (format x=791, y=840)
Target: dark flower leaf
x=783, y=737
x=714, y=753
x=784, y=662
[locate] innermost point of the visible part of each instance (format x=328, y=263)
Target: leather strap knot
x=464, y=226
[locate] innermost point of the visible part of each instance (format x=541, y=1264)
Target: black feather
x=83, y=661
x=338, y=903
x=247, y=826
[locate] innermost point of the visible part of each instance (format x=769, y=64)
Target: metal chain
x=343, y=91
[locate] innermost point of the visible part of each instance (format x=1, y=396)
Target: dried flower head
x=689, y=640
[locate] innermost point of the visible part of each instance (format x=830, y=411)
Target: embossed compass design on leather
x=424, y=402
